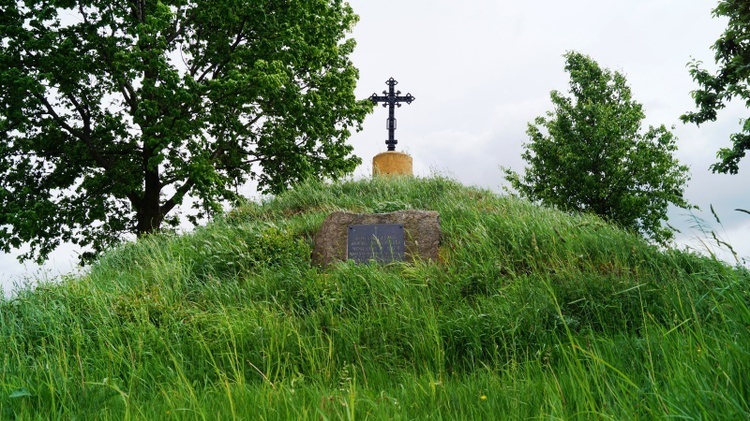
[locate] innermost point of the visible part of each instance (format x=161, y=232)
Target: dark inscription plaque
x=383, y=243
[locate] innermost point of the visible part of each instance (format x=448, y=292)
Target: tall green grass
x=530, y=313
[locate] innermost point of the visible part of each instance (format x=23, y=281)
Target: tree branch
x=216, y=68
x=84, y=137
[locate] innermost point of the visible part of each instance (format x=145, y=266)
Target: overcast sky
x=482, y=69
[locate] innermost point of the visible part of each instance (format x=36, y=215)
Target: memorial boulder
x=409, y=235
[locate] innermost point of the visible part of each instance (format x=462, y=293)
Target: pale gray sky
x=482, y=69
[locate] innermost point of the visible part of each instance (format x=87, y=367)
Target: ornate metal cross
x=391, y=99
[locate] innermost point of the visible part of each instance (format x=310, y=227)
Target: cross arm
x=391, y=99
x=407, y=99
x=378, y=98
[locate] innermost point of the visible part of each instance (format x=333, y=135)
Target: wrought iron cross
x=391, y=99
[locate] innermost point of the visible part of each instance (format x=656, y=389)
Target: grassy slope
x=530, y=313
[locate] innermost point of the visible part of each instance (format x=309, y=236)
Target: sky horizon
x=482, y=70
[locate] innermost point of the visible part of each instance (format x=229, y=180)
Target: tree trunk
x=149, y=212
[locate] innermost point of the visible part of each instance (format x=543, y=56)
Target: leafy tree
x=589, y=155
x=732, y=80
x=113, y=112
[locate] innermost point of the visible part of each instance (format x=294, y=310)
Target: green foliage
x=530, y=313
x=731, y=80
x=589, y=155
x=112, y=114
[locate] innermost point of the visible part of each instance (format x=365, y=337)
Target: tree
x=732, y=80
x=589, y=155
x=112, y=113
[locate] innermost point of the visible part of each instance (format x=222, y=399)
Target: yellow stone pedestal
x=392, y=163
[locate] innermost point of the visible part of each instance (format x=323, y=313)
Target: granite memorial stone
x=384, y=237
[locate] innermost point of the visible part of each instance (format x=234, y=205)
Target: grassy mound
x=529, y=313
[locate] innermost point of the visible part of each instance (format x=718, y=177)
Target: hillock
x=529, y=313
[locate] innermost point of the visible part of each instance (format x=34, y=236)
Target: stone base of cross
x=392, y=163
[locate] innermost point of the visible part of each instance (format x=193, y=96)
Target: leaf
x=713, y=212
x=20, y=393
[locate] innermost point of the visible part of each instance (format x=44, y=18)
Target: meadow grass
x=529, y=313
